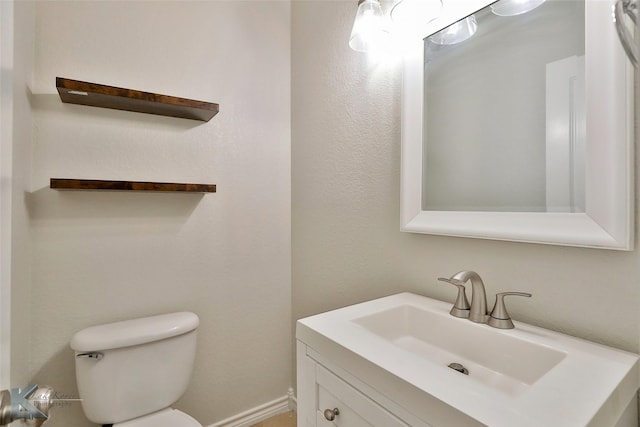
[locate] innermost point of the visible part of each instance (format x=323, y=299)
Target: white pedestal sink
x=395, y=351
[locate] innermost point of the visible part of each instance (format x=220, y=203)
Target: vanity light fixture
x=514, y=7
x=368, y=32
x=456, y=32
x=374, y=30
x=413, y=14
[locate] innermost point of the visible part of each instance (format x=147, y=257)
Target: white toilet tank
x=128, y=369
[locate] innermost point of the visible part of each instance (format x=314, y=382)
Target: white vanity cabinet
x=354, y=409
x=388, y=363
x=321, y=389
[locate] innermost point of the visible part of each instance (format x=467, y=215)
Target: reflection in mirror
x=516, y=90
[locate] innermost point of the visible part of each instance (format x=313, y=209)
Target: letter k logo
x=21, y=407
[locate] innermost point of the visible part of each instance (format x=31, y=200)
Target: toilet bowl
x=129, y=373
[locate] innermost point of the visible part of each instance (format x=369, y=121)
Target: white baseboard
x=260, y=413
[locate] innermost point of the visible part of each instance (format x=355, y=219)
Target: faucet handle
x=499, y=317
x=461, y=307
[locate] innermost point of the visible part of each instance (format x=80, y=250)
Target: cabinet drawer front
x=356, y=409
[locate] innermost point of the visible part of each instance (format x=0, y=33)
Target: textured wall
x=102, y=257
x=345, y=197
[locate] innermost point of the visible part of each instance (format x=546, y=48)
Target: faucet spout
x=478, y=312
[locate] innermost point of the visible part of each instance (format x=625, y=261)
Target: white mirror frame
x=608, y=219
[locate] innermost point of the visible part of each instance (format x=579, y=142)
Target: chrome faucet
x=478, y=310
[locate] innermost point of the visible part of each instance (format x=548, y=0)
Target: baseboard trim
x=260, y=413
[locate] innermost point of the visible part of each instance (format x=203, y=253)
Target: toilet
x=129, y=373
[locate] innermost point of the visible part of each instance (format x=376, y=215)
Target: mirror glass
x=523, y=131
x=516, y=90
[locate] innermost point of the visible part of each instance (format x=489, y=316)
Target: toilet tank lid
x=134, y=332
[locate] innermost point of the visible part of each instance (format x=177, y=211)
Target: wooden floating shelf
x=97, y=95
x=94, y=184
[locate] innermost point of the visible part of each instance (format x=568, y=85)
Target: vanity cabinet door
x=355, y=409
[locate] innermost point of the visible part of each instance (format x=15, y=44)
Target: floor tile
x=288, y=419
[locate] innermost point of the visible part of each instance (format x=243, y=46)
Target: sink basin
x=501, y=361
x=527, y=376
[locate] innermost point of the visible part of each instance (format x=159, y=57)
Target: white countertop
x=590, y=385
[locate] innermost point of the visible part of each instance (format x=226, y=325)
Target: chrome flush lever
x=499, y=317
x=91, y=355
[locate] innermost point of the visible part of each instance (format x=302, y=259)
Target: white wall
x=102, y=257
x=15, y=152
x=345, y=197
x=6, y=170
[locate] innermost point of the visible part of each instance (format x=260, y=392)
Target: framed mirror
x=522, y=132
